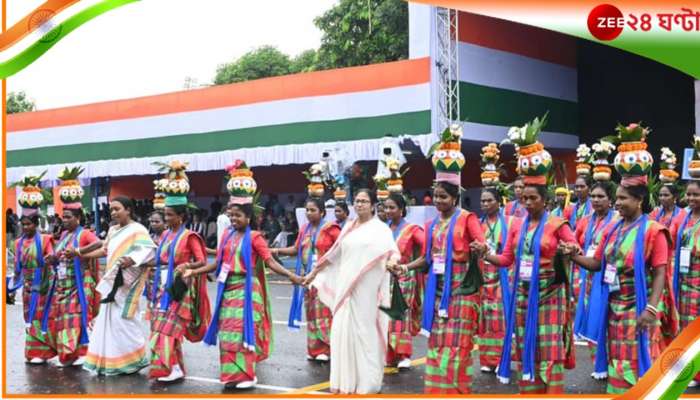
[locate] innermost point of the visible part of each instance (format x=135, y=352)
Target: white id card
x=223, y=274
x=438, y=265
x=590, y=253
x=526, y=269
x=163, y=277
x=61, y=270
x=684, y=260
x=610, y=277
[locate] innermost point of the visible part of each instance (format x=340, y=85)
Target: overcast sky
x=151, y=46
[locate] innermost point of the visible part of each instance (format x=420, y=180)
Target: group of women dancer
x=522, y=283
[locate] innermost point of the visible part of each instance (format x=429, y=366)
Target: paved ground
x=285, y=371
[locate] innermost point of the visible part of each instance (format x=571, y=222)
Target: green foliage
x=654, y=186
x=18, y=102
x=304, y=62
x=263, y=62
x=528, y=133
x=632, y=133
x=28, y=180
x=355, y=32
x=361, y=32
x=70, y=173
x=696, y=147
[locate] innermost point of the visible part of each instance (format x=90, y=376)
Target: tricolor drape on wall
x=292, y=118
x=510, y=73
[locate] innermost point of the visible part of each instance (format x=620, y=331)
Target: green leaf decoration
x=70, y=173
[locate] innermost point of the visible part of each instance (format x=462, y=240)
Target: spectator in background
x=11, y=222
x=427, y=199
x=211, y=231
x=104, y=228
x=215, y=206
x=359, y=179
x=196, y=225
x=291, y=222
x=274, y=207
x=223, y=221
x=259, y=218
x=290, y=206
x=271, y=227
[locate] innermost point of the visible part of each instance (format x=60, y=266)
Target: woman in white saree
x=353, y=280
x=117, y=344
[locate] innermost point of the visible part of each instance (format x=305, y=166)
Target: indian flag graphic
x=39, y=31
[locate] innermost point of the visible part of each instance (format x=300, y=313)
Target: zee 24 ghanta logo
x=606, y=22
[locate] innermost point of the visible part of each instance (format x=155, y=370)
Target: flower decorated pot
x=602, y=173
x=534, y=160
x=395, y=185
x=448, y=157
x=382, y=195
x=490, y=178
x=177, y=186
x=340, y=194
x=315, y=189
x=159, y=201
x=633, y=159
x=30, y=197
x=668, y=175
x=583, y=169
x=694, y=169
x=241, y=183
x=71, y=192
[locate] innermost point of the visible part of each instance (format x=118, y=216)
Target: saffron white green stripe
x=504, y=70
x=316, y=109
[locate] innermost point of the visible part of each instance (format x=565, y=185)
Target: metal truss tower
x=447, y=66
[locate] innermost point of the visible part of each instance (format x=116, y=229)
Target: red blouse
x=260, y=250
x=467, y=229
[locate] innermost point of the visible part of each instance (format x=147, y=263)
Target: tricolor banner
x=39, y=31
x=667, y=31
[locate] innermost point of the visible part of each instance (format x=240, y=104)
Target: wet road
x=286, y=371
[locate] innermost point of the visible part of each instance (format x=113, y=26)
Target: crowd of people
x=516, y=286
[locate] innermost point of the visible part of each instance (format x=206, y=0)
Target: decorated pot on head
x=447, y=157
x=69, y=190
x=583, y=158
x=633, y=162
x=381, y=182
x=340, y=194
x=394, y=182
x=534, y=161
x=241, y=185
x=694, y=165
x=31, y=196
x=601, y=151
x=314, y=175
x=490, y=154
x=178, y=184
x=667, y=173
x=159, y=186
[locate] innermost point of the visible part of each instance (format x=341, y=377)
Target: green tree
x=361, y=32
x=263, y=62
x=18, y=102
x=304, y=62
